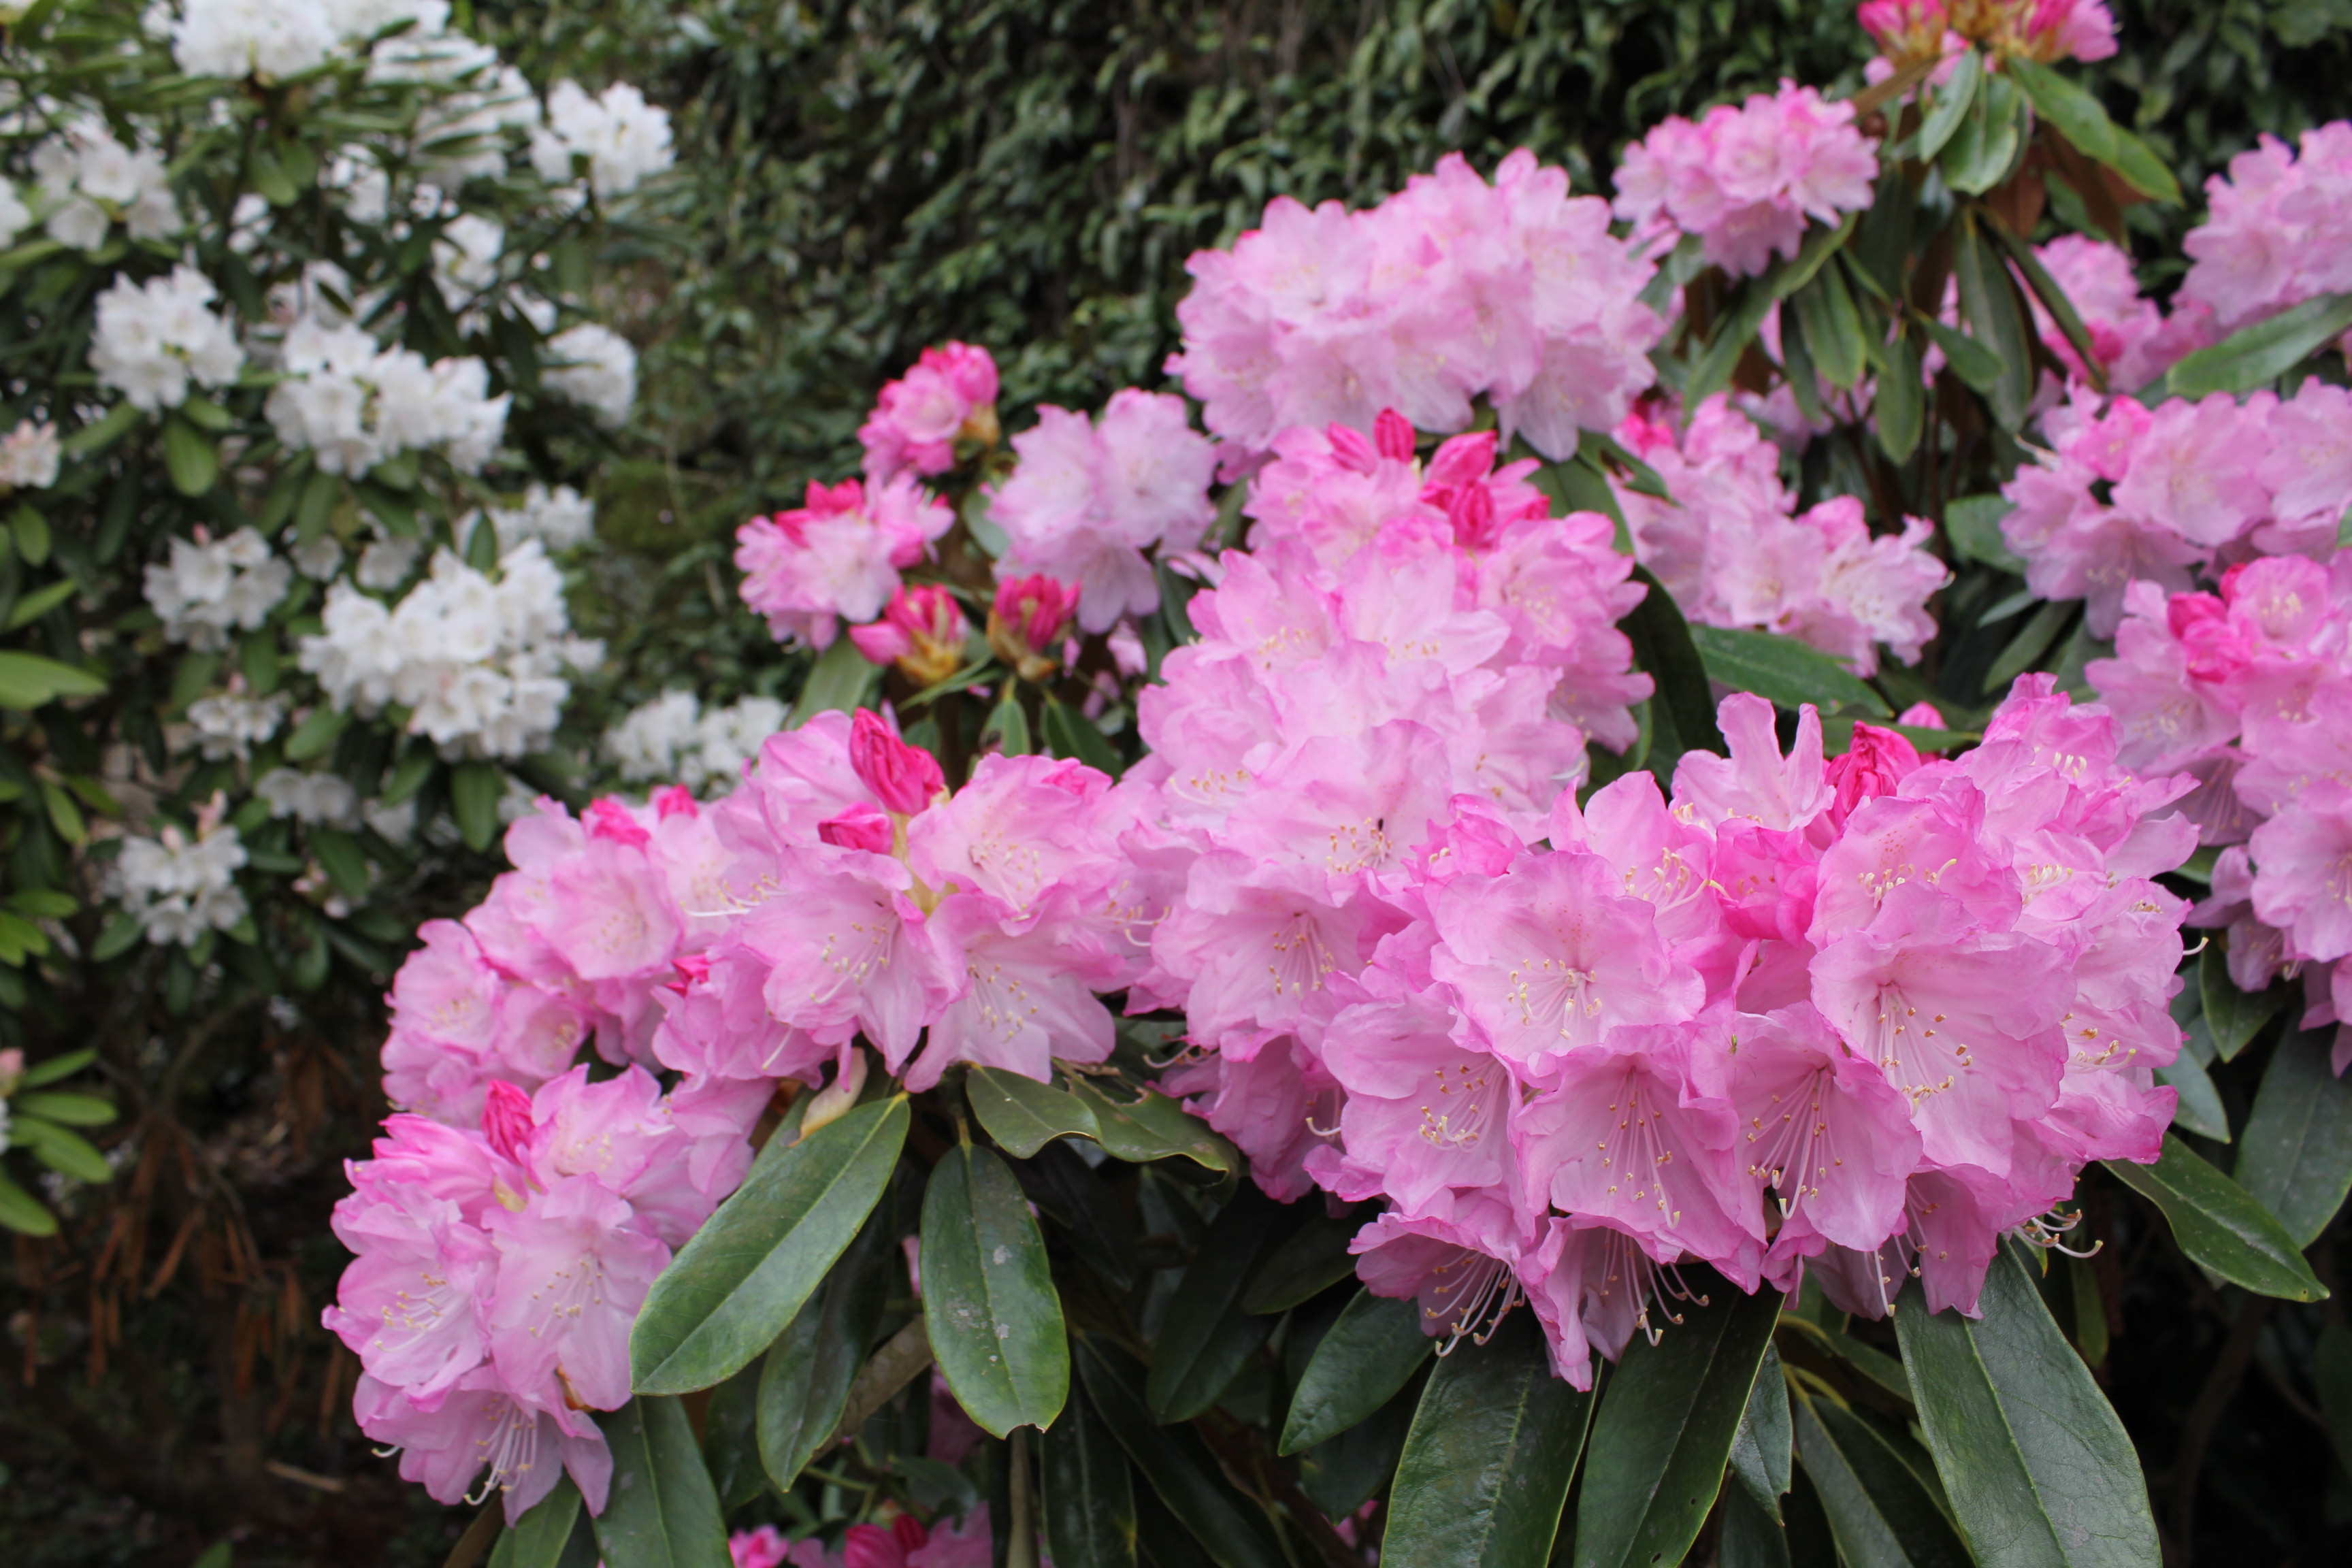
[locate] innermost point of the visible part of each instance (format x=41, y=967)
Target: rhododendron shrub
x=1566, y=806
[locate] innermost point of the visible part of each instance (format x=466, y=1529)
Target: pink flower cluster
x=1734, y=551
x=906, y=1543
x=2247, y=692
x=2045, y=30
x=1090, y=497
x=575, y=942
x=2132, y=338
x=1747, y=180
x=1451, y=290
x=2125, y=494
x=838, y=557
x=2279, y=228
x=498, y=1271
x=950, y=392
x=1858, y=1016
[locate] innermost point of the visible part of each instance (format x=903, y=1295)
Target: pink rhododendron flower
x=950, y=392
x=837, y=557
x=922, y=631
x=2277, y=230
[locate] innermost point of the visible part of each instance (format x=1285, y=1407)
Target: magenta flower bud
x=610, y=818
x=862, y=826
x=904, y=778
x=1393, y=434
x=505, y=1118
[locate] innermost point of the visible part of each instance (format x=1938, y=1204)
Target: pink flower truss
x=1734, y=552
x=1089, y=499
x=1747, y=180
x=836, y=558
x=2132, y=338
x=1451, y=290
x=2247, y=694
x=2125, y=494
x=950, y=391
x=2279, y=230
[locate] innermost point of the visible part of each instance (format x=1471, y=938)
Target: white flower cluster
x=624, y=139
x=180, y=890
x=308, y=798
x=357, y=403
x=213, y=586
x=230, y=724
x=558, y=519
x=151, y=338
x=595, y=367
x=672, y=738
x=272, y=39
x=477, y=662
x=88, y=179
x=28, y=456
x=461, y=134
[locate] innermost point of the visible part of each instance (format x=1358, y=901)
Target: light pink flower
x=950, y=392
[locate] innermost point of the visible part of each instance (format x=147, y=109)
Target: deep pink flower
x=950, y=392
x=906, y=779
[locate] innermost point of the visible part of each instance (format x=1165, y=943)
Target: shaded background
x=855, y=181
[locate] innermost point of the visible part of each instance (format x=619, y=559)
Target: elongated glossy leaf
x=1073, y=734
x=1970, y=360
x=1370, y=1352
x=1751, y=1538
x=28, y=680
x=1023, y=1115
x=1782, y=669
x=1209, y=1334
x=2078, y=116
x=1973, y=525
x=1898, y=410
x=1996, y=319
x=1154, y=1128
x=1762, y=1451
x=730, y=1439
x=1338, y=1473
x=1953, y=102
x=2031, y=645
x=475, y=790
x=1089, y=1491
x=538, y=1538
x=1663, y=649
x=21, y=1211
x=1986, y=141
x=1878, y=1509
x=805, y=1378
x=2295, y=1157
x=2219, y=1224
x=661, y=1511
x=2233, y=1017
x=1311, y=1261
x=68, y=1153
x=1664, y=1431
x=1066, y=1191
x=2198, y=1104
x=2038, y=1468
x=988, y=1292
x=2255, y=356
x=1233, y=1530
x=1712, y=371
x=840, y=681
x=1486, y=1466
x=190, y=456
x=733, y=1287
x=1832, y=327
x=2053, y=298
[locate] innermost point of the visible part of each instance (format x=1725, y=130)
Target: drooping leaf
x=1023, y=1115
x=1664, y=1430
x=1232, y=1530
x=988, y=1293
x=661, y=1511
x=1089, y=1491
x=1973, y=525
x=68, y=1153
x=2295, y=1156
x=1154, y=1128
x=1878, y=1508
x=2035, y=1462
x=1208, y=1334
x=1898, y=410
x=1763, y=1449
x=1986, y=141
x=1832, y=327
x=1311, y=1261
x=1970, y=360
x=1486, y=1465
x=1073, y=734
x=1783, y=670
x=1953, y=101
x=1370, y=1352
x=475, y=790
x=842, y=680
x=2198, y=1104
x=23, y=1213
x=1338, y=1473
x=1750, y=1537
x=1066, y=1191
x=28, y=680
x=537, y=1539
x=2233, y=1017
x=734, y=1287
x=2253, y=357
x=1663, y=650
x=1711, y=373
x=72, y=1109
x=805, y=1377
x=1996, y=319
x=2219, y=1224
x=2054, y=299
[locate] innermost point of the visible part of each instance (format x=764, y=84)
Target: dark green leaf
x=1089, y=1491
x=317, y=732
x=340, y=856
x=841, y=681
x=1068, y=1192
x=23, y=1213
x=1370, y=1352
x=1970, y=360
x=1023, y=1115
x=1007, y=728
x=2295, y=1156
x=1738, y=329
x=39, y=602
x=2198, y=1106
x=475, y=790
x=1154, y=1128
x=122, y=934
x=2033, y=641
x=805, y=1378
x=2219, y=1224
x=190, y=456
x=2333, y=1375
x=1208, y=1335
x=661, y=1511
x=68, y=1153
x=734, y=1287
x=1751, y=1538
x=2253, y=357
x=537, y=1539
x=1952, y=102
x=101, y=433
x=730, y=1439
x=1663, y=649
x=1986, y=141
x=1234, y=1531
x=2053, y=298
x=28, y=680
x=1797, y=365
x=1314, y=1259
x=1073, y=734
x=1897, y=409
x=1783, y=670
x=2233, y=1017
x=988, y=1293
x=1664, y=1430
x=1762, y=1449
x=1878, y=1508
x=1486, y=1466
x=1972, y=523
x=59, y=1067
x=70, y=1110
x=1338, y=1473
x=1832, y=327
x=2078, y=116
x=1996, y=319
